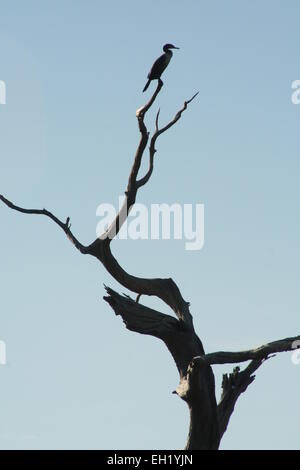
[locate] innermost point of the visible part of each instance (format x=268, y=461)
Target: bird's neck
x=168, y=52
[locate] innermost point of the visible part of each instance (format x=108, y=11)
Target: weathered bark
x=208, y=421
x=197, y=388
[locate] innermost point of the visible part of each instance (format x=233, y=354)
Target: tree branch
x=236, y=383
x=132, y=188
x=65, y=226
x=140, y=318
x=222, y=357
x=233, y=385
x=181, y=341
x=157, y=133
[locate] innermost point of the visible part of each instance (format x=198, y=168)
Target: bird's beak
x=176, y=47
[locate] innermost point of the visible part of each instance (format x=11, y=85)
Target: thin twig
x=65, y=226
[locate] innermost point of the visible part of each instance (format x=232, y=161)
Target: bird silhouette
x=160, y=64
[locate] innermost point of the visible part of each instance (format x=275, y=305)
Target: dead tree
x=208, y=419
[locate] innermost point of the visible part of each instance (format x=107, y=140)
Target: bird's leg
x=160, y=81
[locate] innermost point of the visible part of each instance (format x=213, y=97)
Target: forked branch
x=157, y=133
x=233, y=385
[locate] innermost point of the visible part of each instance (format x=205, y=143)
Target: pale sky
x=74, y=72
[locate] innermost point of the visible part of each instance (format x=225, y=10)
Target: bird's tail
x=146, y=86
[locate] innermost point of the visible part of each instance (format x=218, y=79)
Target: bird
x=160, y=64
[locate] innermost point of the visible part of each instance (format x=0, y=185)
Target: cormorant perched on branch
x=160, y=64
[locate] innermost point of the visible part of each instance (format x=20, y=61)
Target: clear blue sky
x=74, y=70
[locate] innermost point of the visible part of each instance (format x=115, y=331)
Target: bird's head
x=169, y=46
